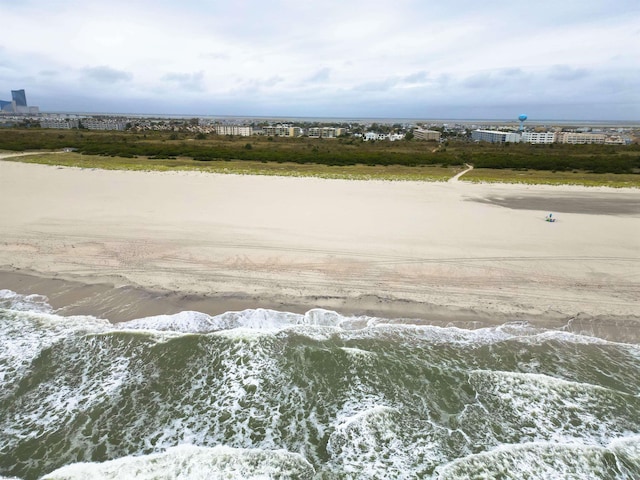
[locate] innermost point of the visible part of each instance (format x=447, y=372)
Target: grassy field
x=244, y=167
x=354, y=172
x=544, y=177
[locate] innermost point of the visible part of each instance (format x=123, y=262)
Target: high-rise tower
x=19, y=97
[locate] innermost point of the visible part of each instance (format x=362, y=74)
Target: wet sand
x=118, y=304
x=591, y=203
x=128, y=244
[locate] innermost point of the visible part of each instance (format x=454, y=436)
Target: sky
x=463, y=59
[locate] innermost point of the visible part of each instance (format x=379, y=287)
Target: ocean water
x=262, y=394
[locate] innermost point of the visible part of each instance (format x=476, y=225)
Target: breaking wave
x=268, y=394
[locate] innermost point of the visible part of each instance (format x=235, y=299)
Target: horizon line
x=339, y=117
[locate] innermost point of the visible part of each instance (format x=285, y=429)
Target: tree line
x=160, y=145
x=624, y=163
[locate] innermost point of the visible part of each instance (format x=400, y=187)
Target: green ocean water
x=266, y=394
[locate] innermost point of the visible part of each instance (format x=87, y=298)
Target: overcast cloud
x=570, y=59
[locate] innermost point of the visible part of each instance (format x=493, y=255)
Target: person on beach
x=549, y=218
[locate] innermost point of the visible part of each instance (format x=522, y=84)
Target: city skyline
x=574, y=61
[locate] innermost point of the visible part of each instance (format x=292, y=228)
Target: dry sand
x=392, y=249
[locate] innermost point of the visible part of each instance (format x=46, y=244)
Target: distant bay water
x=368, y=120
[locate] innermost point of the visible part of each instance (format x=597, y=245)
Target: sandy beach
x=171, y=241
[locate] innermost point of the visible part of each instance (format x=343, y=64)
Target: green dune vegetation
x=345, y=157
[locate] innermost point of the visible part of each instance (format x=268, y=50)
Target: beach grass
x=545, y=177
x=431, y=173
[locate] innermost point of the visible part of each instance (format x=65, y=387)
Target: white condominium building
x=615, y=140
x=240, y=130
x=89, y=123
x=276, y=131
x=103, y=124
x=295, y=131
x=325, y=132
x=332, y=132
x=375, y=136
x=282, y=131
x=538, y=137
x=420, y=134
x=60, y=123
x=580, y=138
x=494, y=136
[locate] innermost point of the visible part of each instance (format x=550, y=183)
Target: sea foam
x=254, y=319
x=11, y=300
x=193, y=463
x=267, y=394
x=541, y=460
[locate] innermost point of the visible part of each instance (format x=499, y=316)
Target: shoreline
x=101, y=299
x=446, y=253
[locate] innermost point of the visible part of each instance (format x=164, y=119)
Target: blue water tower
x=522, y=118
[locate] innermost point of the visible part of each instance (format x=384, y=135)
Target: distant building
x=332, y=132
x=421, y=134
x=396, y=136
x=615, y=140
x=7, y=106
x=18, y=104
x=282, y=131
x=538, y=137
x=65, y=123
x=580, y=138
x=295, y=131
x=20, y=97
x=103, y=124
x=325, y=132
x=60, y=123
x=494, y=136
x=314, y=132
x=375, y=136
x=240, y=130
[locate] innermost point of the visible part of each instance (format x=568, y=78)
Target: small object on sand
x=549, y=218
